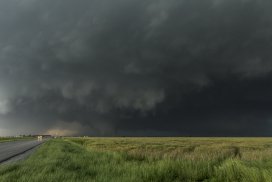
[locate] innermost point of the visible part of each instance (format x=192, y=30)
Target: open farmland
x=10, y=139
x=146, y=159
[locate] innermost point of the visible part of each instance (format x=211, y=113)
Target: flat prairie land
x=146, y=159
x=10, y=139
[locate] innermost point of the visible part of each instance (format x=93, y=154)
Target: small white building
x=40, y=138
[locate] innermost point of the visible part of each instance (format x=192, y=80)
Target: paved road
x=8, y=150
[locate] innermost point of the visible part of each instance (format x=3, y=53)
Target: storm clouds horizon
x=136, y=67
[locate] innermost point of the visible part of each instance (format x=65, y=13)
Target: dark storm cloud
x=129, y=67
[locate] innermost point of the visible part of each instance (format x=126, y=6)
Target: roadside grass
x=146, y=159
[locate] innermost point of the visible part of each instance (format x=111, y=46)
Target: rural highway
x=9, y=150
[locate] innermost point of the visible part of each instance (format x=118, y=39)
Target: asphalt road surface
x=10, y=150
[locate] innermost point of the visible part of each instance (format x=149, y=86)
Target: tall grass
x=183, y=148
x=146, y=159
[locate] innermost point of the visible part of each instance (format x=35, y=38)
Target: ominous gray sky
x=136, y=67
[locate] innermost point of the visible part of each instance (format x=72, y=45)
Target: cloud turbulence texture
x=136, y=67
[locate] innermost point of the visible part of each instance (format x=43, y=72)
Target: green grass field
x=146, y=159
x=10, y=139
